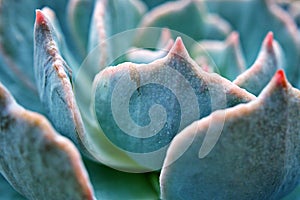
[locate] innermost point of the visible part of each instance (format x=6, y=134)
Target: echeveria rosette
x=64, y=36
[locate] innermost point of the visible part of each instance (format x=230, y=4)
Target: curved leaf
x=54, y=78
x=60, y=39
x=140, y=108
x=256, y=156
x=185, y=16
x=36, y=161
x=265, y=16
x=79, y=14
x=226, y=55
x=260, y=73
x=111, y=17
x=16, y=50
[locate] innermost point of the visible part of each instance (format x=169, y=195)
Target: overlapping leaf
x=260, y=73
x=178, y=16
x=124, y=94
x=110, y=18
x=37, y=161
x=255, y=19
x=79, y=14
x=257, y=152
x=54, y=79
x=16, y=51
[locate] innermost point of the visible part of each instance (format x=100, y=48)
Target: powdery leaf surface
x=188, y=17
x=256, y=156
x=54, y=81
x=37, y=161
x=140, y=108
x=260, y=73
x=265, y=16
x=111, y=17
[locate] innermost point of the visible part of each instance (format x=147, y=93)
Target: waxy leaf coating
x=54, y=79
x=140, y=108
x=263, y=69
x=257, y=152
x=34, y=159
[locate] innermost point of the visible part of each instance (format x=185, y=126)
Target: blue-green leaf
x=37, y=161
x=111, y=17
x=16, y=50
x=79, y=14
x=54, y=79
x=188, y=17
x=256, y=156
x=255, y=19
x=140, y=108
x=226, y=55
x=260, y=73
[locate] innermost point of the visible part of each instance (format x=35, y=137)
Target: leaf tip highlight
x=281, y=78
x=40, y=18
x=268, y=42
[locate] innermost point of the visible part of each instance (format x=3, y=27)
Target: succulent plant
x=131, y=99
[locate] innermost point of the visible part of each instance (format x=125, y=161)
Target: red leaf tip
x=40, y=18
x=281, y=78
x=268, y=42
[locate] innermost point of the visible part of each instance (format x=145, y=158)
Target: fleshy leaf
x=79, y=16
x=226, y=55
x=185, y=16
x=256, y=156
x=262, y=71
x=265, y=16
x=111, y=17
x=54, y=82
x=16, y=50
x=61, y=43
x=54, y=79
x=112, y=184
x=37, y=161
x=175, y=92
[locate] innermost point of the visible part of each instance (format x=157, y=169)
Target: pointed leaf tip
x=268, y=42
x=281, y=78
x=178, y=48
x=40, y=18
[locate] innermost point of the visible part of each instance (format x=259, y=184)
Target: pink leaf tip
x=179, y=48
x=268, y=42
